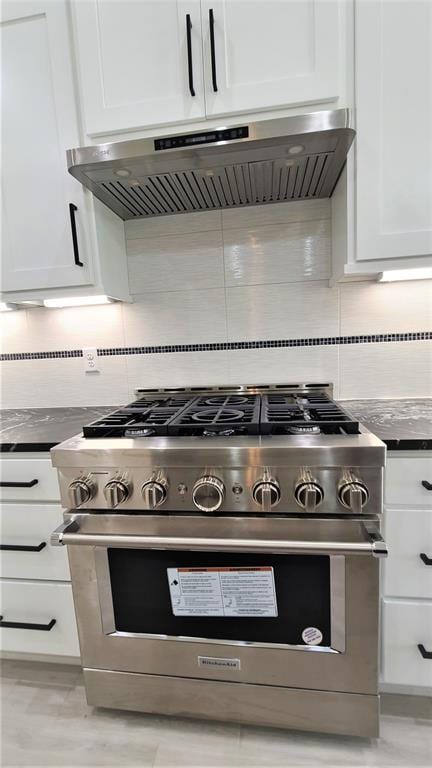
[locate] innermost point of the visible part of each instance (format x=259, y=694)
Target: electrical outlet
x=91, y=362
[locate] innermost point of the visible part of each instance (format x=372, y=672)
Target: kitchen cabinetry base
x=306, y=710
x=41, y=658
x=390, y=691
x=406, y=704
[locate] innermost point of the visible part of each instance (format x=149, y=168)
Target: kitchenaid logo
x=214, y=661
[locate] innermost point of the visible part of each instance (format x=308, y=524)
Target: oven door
x=275, y=601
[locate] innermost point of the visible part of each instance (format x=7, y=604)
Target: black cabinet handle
x=427, y=560
x=212, y=49
x=427, y=485
x=72, y=211
x=13, y=484
x=426, y=654
x=21, y=548
x=26, y=625
x=189, y=53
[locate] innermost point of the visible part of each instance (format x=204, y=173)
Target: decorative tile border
x=376, y=338
x=41, y=355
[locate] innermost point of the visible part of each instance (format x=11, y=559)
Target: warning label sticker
x=233, y=591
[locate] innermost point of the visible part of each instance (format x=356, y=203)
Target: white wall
x=242, y=275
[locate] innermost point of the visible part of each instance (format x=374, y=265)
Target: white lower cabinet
x=406, y=624
x=408, y=570
x=407, y=574
x=36, y=594
x=25, y=530
x=28, y=480
x=404, y=481
x=28, y=603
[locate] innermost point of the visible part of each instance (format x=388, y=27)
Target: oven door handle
x=373, y=544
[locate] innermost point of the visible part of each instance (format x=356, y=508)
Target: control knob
x=154, y=493
x=81, y=491
x=308, y=493
x=208, y=493
x=116, y=492
x=266, y=493
x=352, y=493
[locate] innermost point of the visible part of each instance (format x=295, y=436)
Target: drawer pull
x=22, y=548
x=426, y=654
x=13, y=484
x=427, y=560
x=26, y=625
x=426, y=484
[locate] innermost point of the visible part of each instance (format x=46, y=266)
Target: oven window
x=142, y=600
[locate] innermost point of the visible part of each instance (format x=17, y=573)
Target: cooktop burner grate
x=230, y=414
x=304, y=414
x=145, y=417
x=209, y=415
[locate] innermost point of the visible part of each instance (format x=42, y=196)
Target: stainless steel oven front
x=261, y=618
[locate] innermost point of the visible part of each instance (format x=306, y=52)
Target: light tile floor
x=46, y=721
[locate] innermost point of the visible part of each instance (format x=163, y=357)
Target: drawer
x=406, y=624
x=30, y=525
x=403, y=481
x=27, y=471
x=32, y=602
x=408, y=534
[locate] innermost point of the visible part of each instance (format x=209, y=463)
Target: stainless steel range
x=223, y=546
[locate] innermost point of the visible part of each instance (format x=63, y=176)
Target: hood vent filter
x=233, y=185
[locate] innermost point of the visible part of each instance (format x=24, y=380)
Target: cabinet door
x=406, y=624
x=38, y=603
x=133, y=58
x=408, y=569
x=31, y=525
x=394, y=128
x=404, y=478
x=39, y=122
x=270, y=54
x=28, y=480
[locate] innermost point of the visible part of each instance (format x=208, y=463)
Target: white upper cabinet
x=146, y=63
x=55, y=239
x=394, y=129
x=270, y=54
x=39, y=122
x=135, y=68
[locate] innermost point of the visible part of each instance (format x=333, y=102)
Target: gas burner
x=303, y=430
x=215, y=414
x=139, y=432
x=221, y=433
x=143, y=418
x=224, y=415
x=304, y=413
x=218, y=400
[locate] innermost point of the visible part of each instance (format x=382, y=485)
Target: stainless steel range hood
x=293, y=158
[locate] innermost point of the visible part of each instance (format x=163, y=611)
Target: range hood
x=270, y=161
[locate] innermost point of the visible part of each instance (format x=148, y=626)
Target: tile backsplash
x=252, y=285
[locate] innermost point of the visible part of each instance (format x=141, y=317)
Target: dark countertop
x=402, y=424
x=39, y=429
